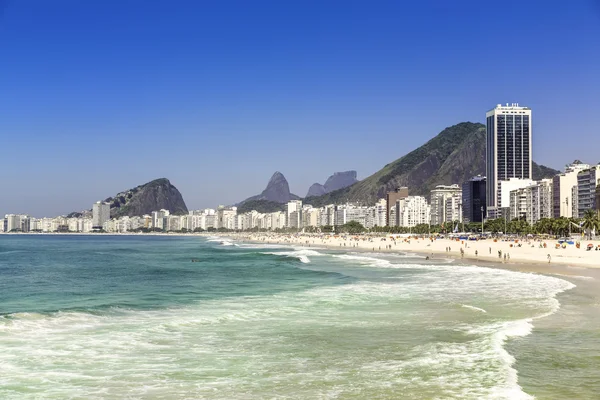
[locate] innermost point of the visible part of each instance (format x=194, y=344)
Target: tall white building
x=539, y=201
x=563, y=188
x=445, y=204
x=508, y=150
x=380, y=213
x=412, y=211
x=294, y=214
x=100, y=214
x=508, y=186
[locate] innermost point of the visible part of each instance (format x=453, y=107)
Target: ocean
x=167, y=317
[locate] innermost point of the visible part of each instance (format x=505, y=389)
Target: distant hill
x=455, y=155
x=262, y=206
x=152, y=196
x=277, y=190
x=336, y=181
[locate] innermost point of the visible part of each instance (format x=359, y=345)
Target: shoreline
x=559, y=266
x=564, y=262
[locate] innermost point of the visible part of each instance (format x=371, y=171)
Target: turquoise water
x=100, y=317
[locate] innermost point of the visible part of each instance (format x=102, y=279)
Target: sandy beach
x=530, y=255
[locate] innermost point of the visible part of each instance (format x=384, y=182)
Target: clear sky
x=99, y=96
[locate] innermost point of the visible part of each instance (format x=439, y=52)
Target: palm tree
x=590, y=222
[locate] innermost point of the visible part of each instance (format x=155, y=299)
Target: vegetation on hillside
x=455, y=155
x=262, y=206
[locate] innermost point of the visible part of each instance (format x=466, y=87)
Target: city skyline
x=216, y=98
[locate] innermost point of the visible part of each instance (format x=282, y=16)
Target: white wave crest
x=473, y=308
x=301, y=255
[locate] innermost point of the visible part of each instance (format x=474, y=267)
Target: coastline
x=571, y=262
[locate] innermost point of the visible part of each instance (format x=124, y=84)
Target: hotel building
x=508, y=150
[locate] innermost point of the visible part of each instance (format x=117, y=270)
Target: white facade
x=508, y=150
x=413, y=211
x=562, y=190
x=443, y=211
x=508, y=186
x=226, y=217
x=539, y=201
x=294, y=214
x=380, y=213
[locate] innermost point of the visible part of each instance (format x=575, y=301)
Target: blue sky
x=100, y=96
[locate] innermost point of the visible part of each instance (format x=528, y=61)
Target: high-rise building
x=100, y=214
x=586, y=190
x=539, y=201
x=445, y=204
x=508, y=150
x=473, y=196
x=391, y=198
x=563, y=188
x=294, y=214
x=412, y=211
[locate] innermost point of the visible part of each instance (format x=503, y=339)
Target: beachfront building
x=159, y=219
x=15, y=223
x=100, y=214
x=539, y=201
x=508, y=151
x=586, y=190
x=310, y=216
x=598, y=196
x=445, y=204
x=562, y=189
x=380, y=213
x=474, y=200
x=226, y=217
x=294, y=214
x=506, y=187
x=413, y=211
x=361, y=214
x=327, y=215
x=391, y=199
x=518, y=204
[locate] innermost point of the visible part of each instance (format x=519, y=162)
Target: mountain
x=454, y=156
x=316, y=189
x=262, y=206
x=152, y=196
x=277, y=190
x=336, y=181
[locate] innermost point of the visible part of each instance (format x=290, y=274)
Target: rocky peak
x=277, y=190
x=143, y=199
x=338, y=180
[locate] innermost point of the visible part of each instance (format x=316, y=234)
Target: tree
x=352, y=227
x=590, y=222
x=327, y=229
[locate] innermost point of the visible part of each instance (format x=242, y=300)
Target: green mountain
x=143, y=199
x=455, y=155
x=262, y=206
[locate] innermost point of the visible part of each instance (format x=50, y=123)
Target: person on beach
x=490, y=250
x=476, y=253
x=549, y=258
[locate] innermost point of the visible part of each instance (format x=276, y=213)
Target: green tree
x=590, y=222
x=352, y=227
x=327, y=229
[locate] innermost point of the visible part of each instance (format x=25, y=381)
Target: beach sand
x=525, y=256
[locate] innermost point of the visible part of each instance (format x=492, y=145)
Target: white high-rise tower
x=508, y=150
